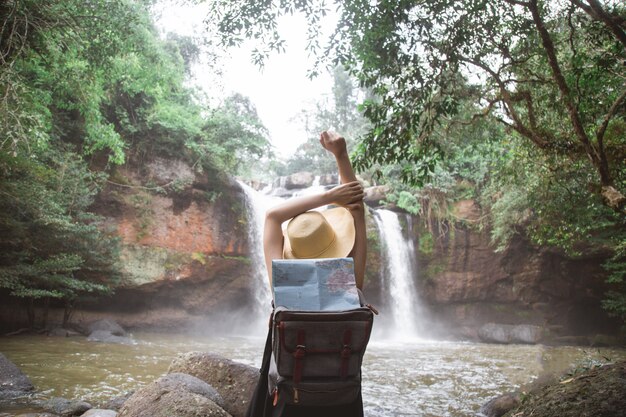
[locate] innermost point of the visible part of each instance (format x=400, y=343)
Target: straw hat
x=319, y=234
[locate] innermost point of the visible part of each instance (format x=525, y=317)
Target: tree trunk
x=67, y=313
x=46, y=308
x=30, y=312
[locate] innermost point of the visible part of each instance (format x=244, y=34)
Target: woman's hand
x=346, y=194
x=333, y=142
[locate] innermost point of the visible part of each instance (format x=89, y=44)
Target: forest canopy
x=86, y=86
x=520, y=104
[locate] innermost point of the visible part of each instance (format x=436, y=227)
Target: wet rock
x=572, y=340
x=526, y=333
x=596, y=392
x=297, y=180
x=178, y=396
x=116, y=403
x=495, y=333
x=499, y=406
x=65, y=407
x=61, y=332
x=605, y=340
x=374, y=195
x=107, y=325
x=99, y=412
x=191, y=384
x=234, y=381
x=163, y=171
x=329, y=179
x=106, y=337
x=13, y=382
x=467, y=210
x=506, y=333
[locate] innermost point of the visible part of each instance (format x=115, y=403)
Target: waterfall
x=256, y=206
x=398, y=276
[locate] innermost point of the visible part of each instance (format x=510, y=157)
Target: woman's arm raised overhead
x=336, y=144
x=343, y=195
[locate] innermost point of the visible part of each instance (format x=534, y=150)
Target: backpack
x=317, y=355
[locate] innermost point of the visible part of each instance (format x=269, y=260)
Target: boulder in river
x=99, y=412
x=173, y=396
x=507, y=333
x=234, y=381
x=107, y=337
x=116, y=403
x=499, y=406
x=13, y=382
x=108, y=325
x=65, y=407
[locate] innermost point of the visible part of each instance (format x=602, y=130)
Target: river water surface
x=400, y=378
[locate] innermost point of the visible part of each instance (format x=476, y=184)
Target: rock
x=499, y=406
x=297, y=180
x=329, y=179
x=37, y=415
x=65, y=407
x=13, y=382
x=572, y=340
x=506, y=333
x=99, y=412
x=467, y=210
x=526, y=333
x=61, y=332
x=116, y=403
x=598, y=392
x=178, y=396
x=164, y=171
x=108, y=325
x=106, y=337
x=495, y=333
x=605, y=340
x=234, y=381
x=191, y=384
x=374, y=195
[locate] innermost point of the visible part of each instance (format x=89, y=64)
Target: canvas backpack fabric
x=317, y=356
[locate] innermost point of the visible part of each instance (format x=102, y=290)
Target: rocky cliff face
x=185, y=247
x=186, y=260
x=467, y=283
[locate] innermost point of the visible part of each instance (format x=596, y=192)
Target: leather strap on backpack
x=346, y=352
x=299, y=355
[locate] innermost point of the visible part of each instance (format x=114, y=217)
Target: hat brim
x=342, y=223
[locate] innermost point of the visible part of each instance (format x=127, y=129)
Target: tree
x=339, y=112
x=52, y=247
x=550, y=71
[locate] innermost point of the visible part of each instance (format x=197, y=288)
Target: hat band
x=318, y=253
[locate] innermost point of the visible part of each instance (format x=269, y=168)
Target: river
x=408, y=378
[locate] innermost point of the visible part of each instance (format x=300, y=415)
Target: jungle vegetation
x=519, y=105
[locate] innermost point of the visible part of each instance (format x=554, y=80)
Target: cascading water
x=398, y=276
x=256, y=206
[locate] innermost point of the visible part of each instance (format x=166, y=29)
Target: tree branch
x=596, y=157
x=508, y=100
x=596, y=11
x=605, y=123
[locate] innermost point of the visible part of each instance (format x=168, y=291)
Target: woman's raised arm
x=342, y=195
x=336, y=144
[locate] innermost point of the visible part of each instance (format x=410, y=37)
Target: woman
x=349, y=197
